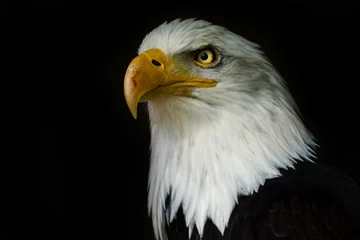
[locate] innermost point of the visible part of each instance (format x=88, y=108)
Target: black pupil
x=204, y=56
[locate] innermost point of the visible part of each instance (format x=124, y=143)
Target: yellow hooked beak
x=151, y=73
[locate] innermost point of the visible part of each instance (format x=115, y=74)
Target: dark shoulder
x=313, y=180
x=308, y=178
x=312, y=201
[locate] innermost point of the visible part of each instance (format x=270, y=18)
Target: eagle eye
x=205, y=57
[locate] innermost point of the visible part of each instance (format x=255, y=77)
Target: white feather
x=225, y=142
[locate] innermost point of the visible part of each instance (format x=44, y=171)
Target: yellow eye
x=205, y=57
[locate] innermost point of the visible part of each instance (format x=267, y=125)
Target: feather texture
x=313, y=202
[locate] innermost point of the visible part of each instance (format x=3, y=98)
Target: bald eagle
x=230, y=156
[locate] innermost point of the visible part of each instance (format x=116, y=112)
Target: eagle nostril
x=156, y=63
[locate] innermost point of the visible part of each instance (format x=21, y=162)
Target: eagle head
x=222, y=120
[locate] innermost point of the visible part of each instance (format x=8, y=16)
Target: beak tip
x=133, y=108
x=131, y=97
x=134, y=115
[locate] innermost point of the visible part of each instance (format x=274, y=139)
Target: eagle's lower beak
x=152, y=73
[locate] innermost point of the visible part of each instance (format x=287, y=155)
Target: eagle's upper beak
x=152, y=73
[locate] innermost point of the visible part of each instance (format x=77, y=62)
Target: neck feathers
x=208, y=163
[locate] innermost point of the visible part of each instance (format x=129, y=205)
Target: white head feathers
x=226, y=141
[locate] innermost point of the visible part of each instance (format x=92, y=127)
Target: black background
x=90, y=157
